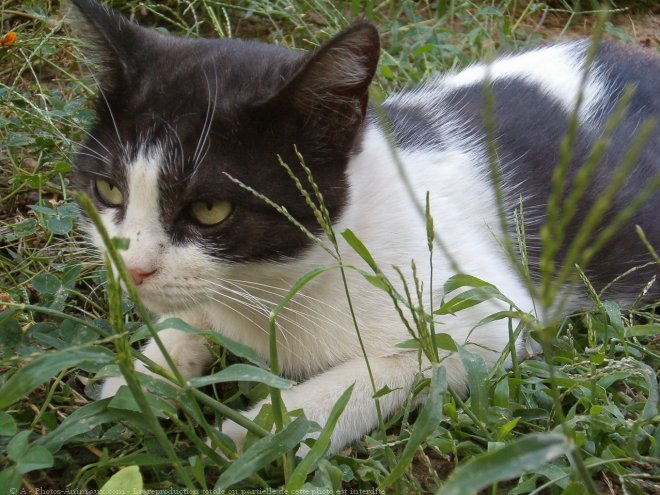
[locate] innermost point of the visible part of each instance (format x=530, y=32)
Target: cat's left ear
x=120, y=46
x=331, y=87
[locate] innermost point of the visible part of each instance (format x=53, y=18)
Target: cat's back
x=530, y=86
x=534, y=94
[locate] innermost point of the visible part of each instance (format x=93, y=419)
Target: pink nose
x=139, y=276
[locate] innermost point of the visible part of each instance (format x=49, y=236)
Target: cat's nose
x=138, y=275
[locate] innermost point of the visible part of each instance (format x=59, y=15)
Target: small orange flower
x=8, y=39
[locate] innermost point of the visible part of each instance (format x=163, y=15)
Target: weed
x=589, y=410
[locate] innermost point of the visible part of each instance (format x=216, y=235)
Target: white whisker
x=262, y=312
x=308, y=313
x=284, y=291
x=202, y=144
x=243, y=315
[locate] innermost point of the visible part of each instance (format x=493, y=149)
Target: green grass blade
x=7, y=425
x=642, y=330
x=10, y=478
x=81, y=421
x=461, y=280
x=550, y=237
x=125, y=401
x=242, y=373
x=276, y=399
x=477, y=373
x=309, y=463
x=427, y=421
x=127, y=480
x=263, y=452
x=582, y=247
x=236, y=348
x=650, y=410
x=45, y=367
x=442, y=341
x=467, y=299
x=360, y=248
x=515, y=459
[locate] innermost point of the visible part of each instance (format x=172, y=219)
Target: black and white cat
x=176, y=115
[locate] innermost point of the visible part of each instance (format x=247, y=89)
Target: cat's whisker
x=305, y=312
x=261, y=328
x=242, y=294
x=75, y=124
x=301, y=293
x=309, y=312
x=264, y=310
x=98, y=287
x=107, y=104
x=268, y=306
x=282, y=316
x=97, y=157
x=174, y=132
x=202, y=144
x=261, y=310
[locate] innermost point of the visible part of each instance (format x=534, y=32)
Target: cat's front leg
x=317, y=396
x=188, y=351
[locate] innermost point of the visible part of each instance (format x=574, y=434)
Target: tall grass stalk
x=551, y=234
x=173, y=373
x=125, y=362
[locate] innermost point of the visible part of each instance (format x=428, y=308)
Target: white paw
x=110, y=386
x=188, y=352
x=236, y=432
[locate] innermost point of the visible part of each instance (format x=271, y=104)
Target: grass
x=584, y=418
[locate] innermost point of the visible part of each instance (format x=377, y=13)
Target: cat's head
x=177, y=115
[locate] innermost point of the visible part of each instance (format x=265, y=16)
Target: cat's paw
x=111, y=386
x=188, y=352
x=237, y=433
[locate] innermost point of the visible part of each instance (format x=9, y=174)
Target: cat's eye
x=109, y=193
x=211, y=212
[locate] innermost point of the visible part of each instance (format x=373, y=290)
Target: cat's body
x=184, y=112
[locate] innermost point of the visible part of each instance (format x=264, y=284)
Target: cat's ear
x=116, y=43
x=331, y=87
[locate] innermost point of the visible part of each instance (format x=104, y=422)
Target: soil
x=643, y=29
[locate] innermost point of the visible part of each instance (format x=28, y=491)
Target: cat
x=178, y=117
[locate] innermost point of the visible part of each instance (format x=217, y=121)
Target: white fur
x=317, y=340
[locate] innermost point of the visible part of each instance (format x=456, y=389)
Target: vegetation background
x=582, y=420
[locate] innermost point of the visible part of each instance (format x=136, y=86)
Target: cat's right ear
x=116, y=43
x=330, y=90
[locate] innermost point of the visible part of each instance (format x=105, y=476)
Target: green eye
x=109, y=193
x=210, y=212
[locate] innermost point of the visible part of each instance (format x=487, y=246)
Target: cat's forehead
x=191, y=96
x=186, y=75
